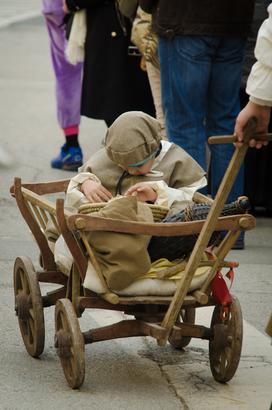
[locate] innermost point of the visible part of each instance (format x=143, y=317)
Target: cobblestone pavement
x=13, y=11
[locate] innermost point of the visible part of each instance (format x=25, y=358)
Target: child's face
x=142, y=170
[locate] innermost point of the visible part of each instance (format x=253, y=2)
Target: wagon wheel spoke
x=20, y=292
x=32, y=325
x=231, y=321
x=64, y=324
x=228, y=353
x=217, y=360
x=182, y=314
x=69, y=366
x=222, y=365
x=31, y=314
x=24, y=282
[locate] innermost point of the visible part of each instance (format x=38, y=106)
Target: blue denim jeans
x=200, y=80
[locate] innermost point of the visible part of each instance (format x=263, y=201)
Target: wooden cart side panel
x=76, y=251
x=44, y=188
x=95, y=223
x=34, y=226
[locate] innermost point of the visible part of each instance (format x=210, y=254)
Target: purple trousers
x=68, y=76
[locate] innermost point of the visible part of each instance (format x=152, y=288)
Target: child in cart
x=135, y=162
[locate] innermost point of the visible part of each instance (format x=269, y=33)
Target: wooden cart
x=163, y=318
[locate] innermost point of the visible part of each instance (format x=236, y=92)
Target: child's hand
x=143, y=192
x=95, y=191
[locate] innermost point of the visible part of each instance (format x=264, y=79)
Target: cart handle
x=225, y=139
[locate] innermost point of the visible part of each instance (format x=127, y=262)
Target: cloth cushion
x=148, y=284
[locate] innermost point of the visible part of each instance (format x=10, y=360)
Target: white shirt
x=259, y=83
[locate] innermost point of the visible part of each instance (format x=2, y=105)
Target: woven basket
x=159, y=212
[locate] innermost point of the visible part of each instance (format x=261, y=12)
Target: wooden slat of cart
x=44, y=188
x=97, y=223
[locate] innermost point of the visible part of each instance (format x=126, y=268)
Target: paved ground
x=12, y=11
x=132, y=372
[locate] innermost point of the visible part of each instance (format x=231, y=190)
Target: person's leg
x=155, y=85
x=223, y=106
x=185, y=64
x=68, y=91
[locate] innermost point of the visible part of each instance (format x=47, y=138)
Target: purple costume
x=68, y=77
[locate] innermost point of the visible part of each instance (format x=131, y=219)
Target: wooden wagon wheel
x=41, y=261
x=185, y=316
x=69, y=342
x=226, y=345
x=29, y=306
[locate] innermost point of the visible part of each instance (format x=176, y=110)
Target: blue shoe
x=69, y=159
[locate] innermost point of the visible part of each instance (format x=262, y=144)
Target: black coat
x=222, y=18
x=113, y=81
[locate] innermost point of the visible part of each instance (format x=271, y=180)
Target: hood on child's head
x=132, y=137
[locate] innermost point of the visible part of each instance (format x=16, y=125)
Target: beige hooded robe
x=133, y=137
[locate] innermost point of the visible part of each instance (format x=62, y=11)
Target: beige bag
x=122, y=257
x=144, y=38
x=75, y=46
